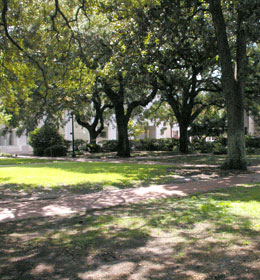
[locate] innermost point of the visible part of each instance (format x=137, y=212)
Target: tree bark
x=183, y=115
x=123, y=112
x=123, y=149
x=183, y=141
x=93, y=136
x=233, y=86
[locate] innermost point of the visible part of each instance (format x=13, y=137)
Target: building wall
x=250, y=127
x=11, y=143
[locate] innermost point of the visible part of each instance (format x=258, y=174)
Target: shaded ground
x=186, y=237
x=192, y=238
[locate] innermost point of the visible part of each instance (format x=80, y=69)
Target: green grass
x=83, y=175
x=213, y=235
x=229, y=215
x=15, y=161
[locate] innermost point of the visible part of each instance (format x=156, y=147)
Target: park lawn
x=84, y=175
x=205, y=236
x=15, y=161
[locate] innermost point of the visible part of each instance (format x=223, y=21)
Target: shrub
x=252, y=141
x=46, y=141
x=149, y=145
x=5, y=155
x=93, y=148
x=202, y=146
x=219, y=149
x=207, y=147
x=109, y=145
x=79, y=145
x=222, y=140
x=55, y=151
x=216, y=147
x=155, y=144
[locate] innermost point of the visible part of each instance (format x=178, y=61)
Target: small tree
x=46, y=141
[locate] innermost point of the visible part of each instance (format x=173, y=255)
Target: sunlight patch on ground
x=57, y=210
x=6, y=214
x=42, y=268
x=158, y=189
x=108, y=272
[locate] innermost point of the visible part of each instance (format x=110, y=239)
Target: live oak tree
x=93, y=117
x=239, y=20
x=124, y=105
x=42, y=77
x=30, y=69
x=181, y=58
x=160, y=112
x=104, y=43
x=252, y=93
x=136, y=48
x=211, y=122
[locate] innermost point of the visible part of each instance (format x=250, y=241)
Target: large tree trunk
x=92, y=136
x=123, y=149
x=236, y=138
x=183, y=141
x=233, y=85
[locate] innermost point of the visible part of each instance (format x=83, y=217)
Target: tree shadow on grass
x=55, y=249
x=199, y=237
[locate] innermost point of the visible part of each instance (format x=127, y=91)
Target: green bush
x=5, y=155
x=154, y=144
x=80, y=145
x=143, y=145
x=55, y=151
x=222, y=140
x=109, y=145
x=202, y=146
x=93, y=148
x=207, y=147
x=216, y=147
x=252, y=141
x=46, y=141
x=219, y=149
x=148, y=145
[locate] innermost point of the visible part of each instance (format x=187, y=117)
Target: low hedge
x=142, y=145
x=55, y=151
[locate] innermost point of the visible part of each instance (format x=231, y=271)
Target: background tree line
x=97, y=58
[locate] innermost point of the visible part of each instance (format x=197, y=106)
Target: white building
x=12, y=144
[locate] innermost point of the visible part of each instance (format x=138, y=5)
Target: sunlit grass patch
x=85, y=175
x=15, y=161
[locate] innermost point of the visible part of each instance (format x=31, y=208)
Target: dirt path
x=64, y=205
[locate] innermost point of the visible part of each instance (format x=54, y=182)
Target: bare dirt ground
x=164, y=256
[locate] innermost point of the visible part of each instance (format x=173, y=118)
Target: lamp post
x=72, y=135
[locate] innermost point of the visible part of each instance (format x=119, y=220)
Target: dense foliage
x=47, y=141
x=86, y=57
